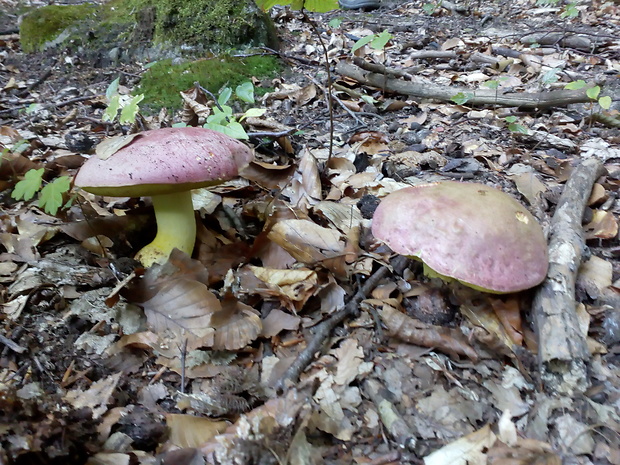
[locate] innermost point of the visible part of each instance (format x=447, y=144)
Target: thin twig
x=324, y=329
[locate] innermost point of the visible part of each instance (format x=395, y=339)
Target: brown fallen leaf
x=602, y=226
x=236, y=325
x=413, y=331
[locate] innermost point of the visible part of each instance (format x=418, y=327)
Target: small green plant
x=592, y=92
x=462, y=98
x=513, y=126
x=126, y=104
x=222, y=118
x=50, y=194
x=335, y=23
x=431, y=7
x=376, y=41
x=570, y=11
x=547, y=2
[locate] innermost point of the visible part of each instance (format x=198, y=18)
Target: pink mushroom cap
x=163, y=161
x=466, y=231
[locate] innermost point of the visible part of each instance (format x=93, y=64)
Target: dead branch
x=391, y=419
x=383, y=78
x=562, y=349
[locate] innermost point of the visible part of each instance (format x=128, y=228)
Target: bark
x=562, y=350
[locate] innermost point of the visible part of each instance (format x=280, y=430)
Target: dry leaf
x=278, y=321
x=306, y=241
x=413, y=331
x=468, y=450
x=236, y=325
x=192, y=431
x=96, y=397
x=602, y=226
x=108, y=147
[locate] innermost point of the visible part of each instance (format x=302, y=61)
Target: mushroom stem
x=176, y=228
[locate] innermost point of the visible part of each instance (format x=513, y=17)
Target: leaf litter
x=185, y=362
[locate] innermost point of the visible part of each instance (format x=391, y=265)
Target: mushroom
x=470, y=232
x=166, y=164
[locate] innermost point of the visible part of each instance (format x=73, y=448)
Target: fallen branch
x=391, y=419
x=385, y=78
x=562, y=349
x=324, y=329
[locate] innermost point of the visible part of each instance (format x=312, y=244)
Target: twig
x=12, y=345
x=391, y=419
x=562, y=349
x=324, y=329
x=423, y=88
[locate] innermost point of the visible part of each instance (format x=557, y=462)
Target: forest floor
x=320, y=345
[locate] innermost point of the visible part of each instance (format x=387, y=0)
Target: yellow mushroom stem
x=176, y=228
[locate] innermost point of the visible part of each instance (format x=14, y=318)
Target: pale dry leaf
x=603, y=226
x=96, y=397
x=595, y=272
x=468, y=450
x=529, y=185
x=108, y=147
x=192, y=431
x=342, y=216
x=306, y=241
x=350, y=357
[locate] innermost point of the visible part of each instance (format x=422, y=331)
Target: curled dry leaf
x=509, y=314
x=412, y=331
x=182, y=310
x=602, y=226
x=192, y=431
x=306, y=241
x=236, y=325
x=292, y=287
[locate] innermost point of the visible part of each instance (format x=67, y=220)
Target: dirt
x=84, y=377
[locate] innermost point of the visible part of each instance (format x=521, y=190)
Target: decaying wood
x=562, y=349
x=391, y=419
x=387, y=79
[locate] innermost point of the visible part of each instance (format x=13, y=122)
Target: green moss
x=218, y=24
x=162, y=83
x=47, y=23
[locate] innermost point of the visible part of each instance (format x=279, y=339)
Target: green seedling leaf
x=335, y=23
x=605, y=102
x=253, y=113
x=363, y=41
x=112, y=89
x=33, y=108
x=368, y=99
x=593, y=92
x=381, y=40
x=130, y=110
x=50, y=198
x=494, y=84
x=429, y=8
x=179, y=125
x=232, y=129
x=224, y=96
x=20, y=146
x=110, y=113
x=245, y=92
x=218, y=116
x=570, y=11
x=550, y=76
x=511, y=119
x=30, y=185
x=514, y=127
x=461, y=98
x=576, y=85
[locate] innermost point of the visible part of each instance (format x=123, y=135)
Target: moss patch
x=162, y=83
x=217, y=24
x=200, y=24
x=46, y=24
